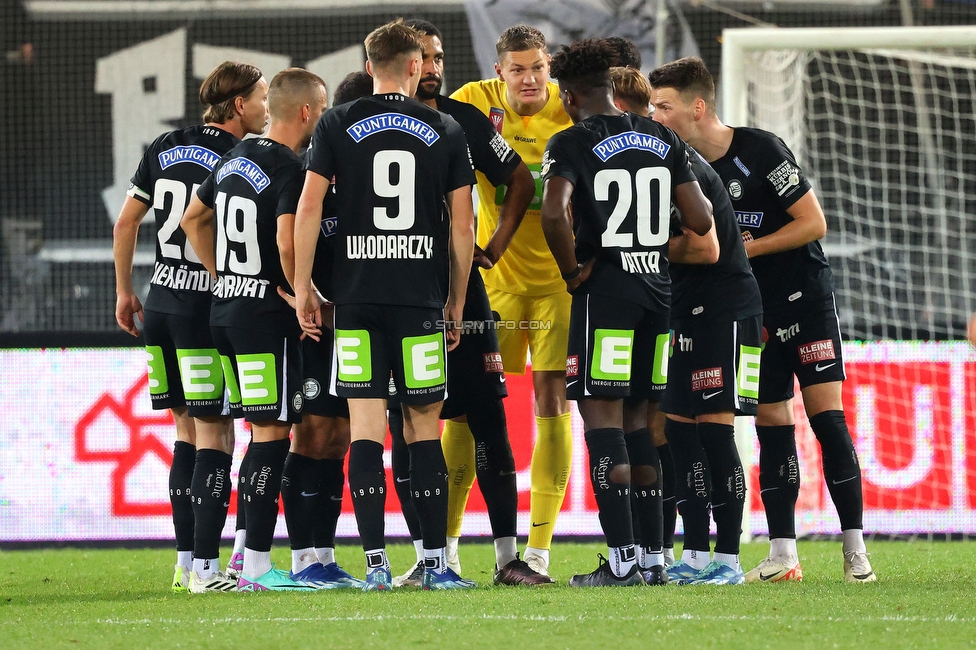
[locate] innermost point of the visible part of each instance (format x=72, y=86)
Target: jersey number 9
x=402, y=190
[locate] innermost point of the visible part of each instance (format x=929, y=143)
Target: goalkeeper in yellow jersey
x=524, y=287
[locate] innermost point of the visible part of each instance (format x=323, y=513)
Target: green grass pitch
x=925, y=597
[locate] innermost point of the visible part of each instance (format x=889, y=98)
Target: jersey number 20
x=652, y=229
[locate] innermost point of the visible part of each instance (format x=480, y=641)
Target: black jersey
x=490, y=153
x=393, y=160
x=725, y=290
x=764, y=181
x=255, y=183
x=624, y=170
x=172, y=168
x=323, y=266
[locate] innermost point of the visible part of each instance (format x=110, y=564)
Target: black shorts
x=373, y=340
x=184, y=367
x=804, y=342
x=474, y=367
x=617, y=349
x=263, y=372
x=714, y=367
x=317, y=366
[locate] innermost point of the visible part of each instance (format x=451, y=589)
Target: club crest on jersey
x=497, y=117
x=192, y=153
x=749, y=219
x=393, y=122
x=247, y=170
x=630, y=140
x=735, y=189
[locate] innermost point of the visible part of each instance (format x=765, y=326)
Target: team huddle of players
x=674, y=261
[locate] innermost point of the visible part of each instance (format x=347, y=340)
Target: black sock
x=180, y=476
x=779, y=479
x=332, y=481
x=241, y=479
x=645, y=489
x=300, y=489
x=495, y=466
x=610, y=478
x=728, y=484
x=693, y=482
x=428, y=483
x=367, y=485
x=262, y=490
x=210, y=490
x=400, y=458
x=840, y=467
x=669, y=510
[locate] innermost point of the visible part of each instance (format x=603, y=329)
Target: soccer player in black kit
x=241, y=225
x=610, y=179
x=716, y=322
x=401, y=273
x=476, y=383
x=781, y=222
x=185, y=375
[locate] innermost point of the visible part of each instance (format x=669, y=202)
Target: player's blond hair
x=520, y=38
x=291, y=89
x=393, y=42
x=223, y=86
x=630, y=87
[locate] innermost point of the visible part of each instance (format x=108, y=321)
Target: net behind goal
x=882, y=121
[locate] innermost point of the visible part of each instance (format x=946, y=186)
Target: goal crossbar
x=736, y=43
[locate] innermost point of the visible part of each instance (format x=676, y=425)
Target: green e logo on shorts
x=234, y=393
x=748, y=379
x=258, y=379
x=662, y=352
x=613, y=352
x=200, y=374
x=158, y=385
x=423, y=361
x=353, y=355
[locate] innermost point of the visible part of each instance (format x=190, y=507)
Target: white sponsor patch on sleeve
x=784, y=178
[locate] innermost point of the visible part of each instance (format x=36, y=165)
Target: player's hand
x=308, y=308
x=584, y=274
x=481, y=258
x=971, y=330
x=127, y=306
x=453, y=314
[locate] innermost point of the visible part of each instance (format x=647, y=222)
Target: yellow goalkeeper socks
x=458, y=445
x=551, y=462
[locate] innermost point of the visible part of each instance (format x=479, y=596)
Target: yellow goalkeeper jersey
x=527, y=268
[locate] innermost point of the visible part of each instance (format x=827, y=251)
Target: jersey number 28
x=652, y=229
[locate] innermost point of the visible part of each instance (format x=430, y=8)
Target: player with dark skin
x=615, y=412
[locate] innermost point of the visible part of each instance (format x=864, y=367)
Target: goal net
x=882, y=121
